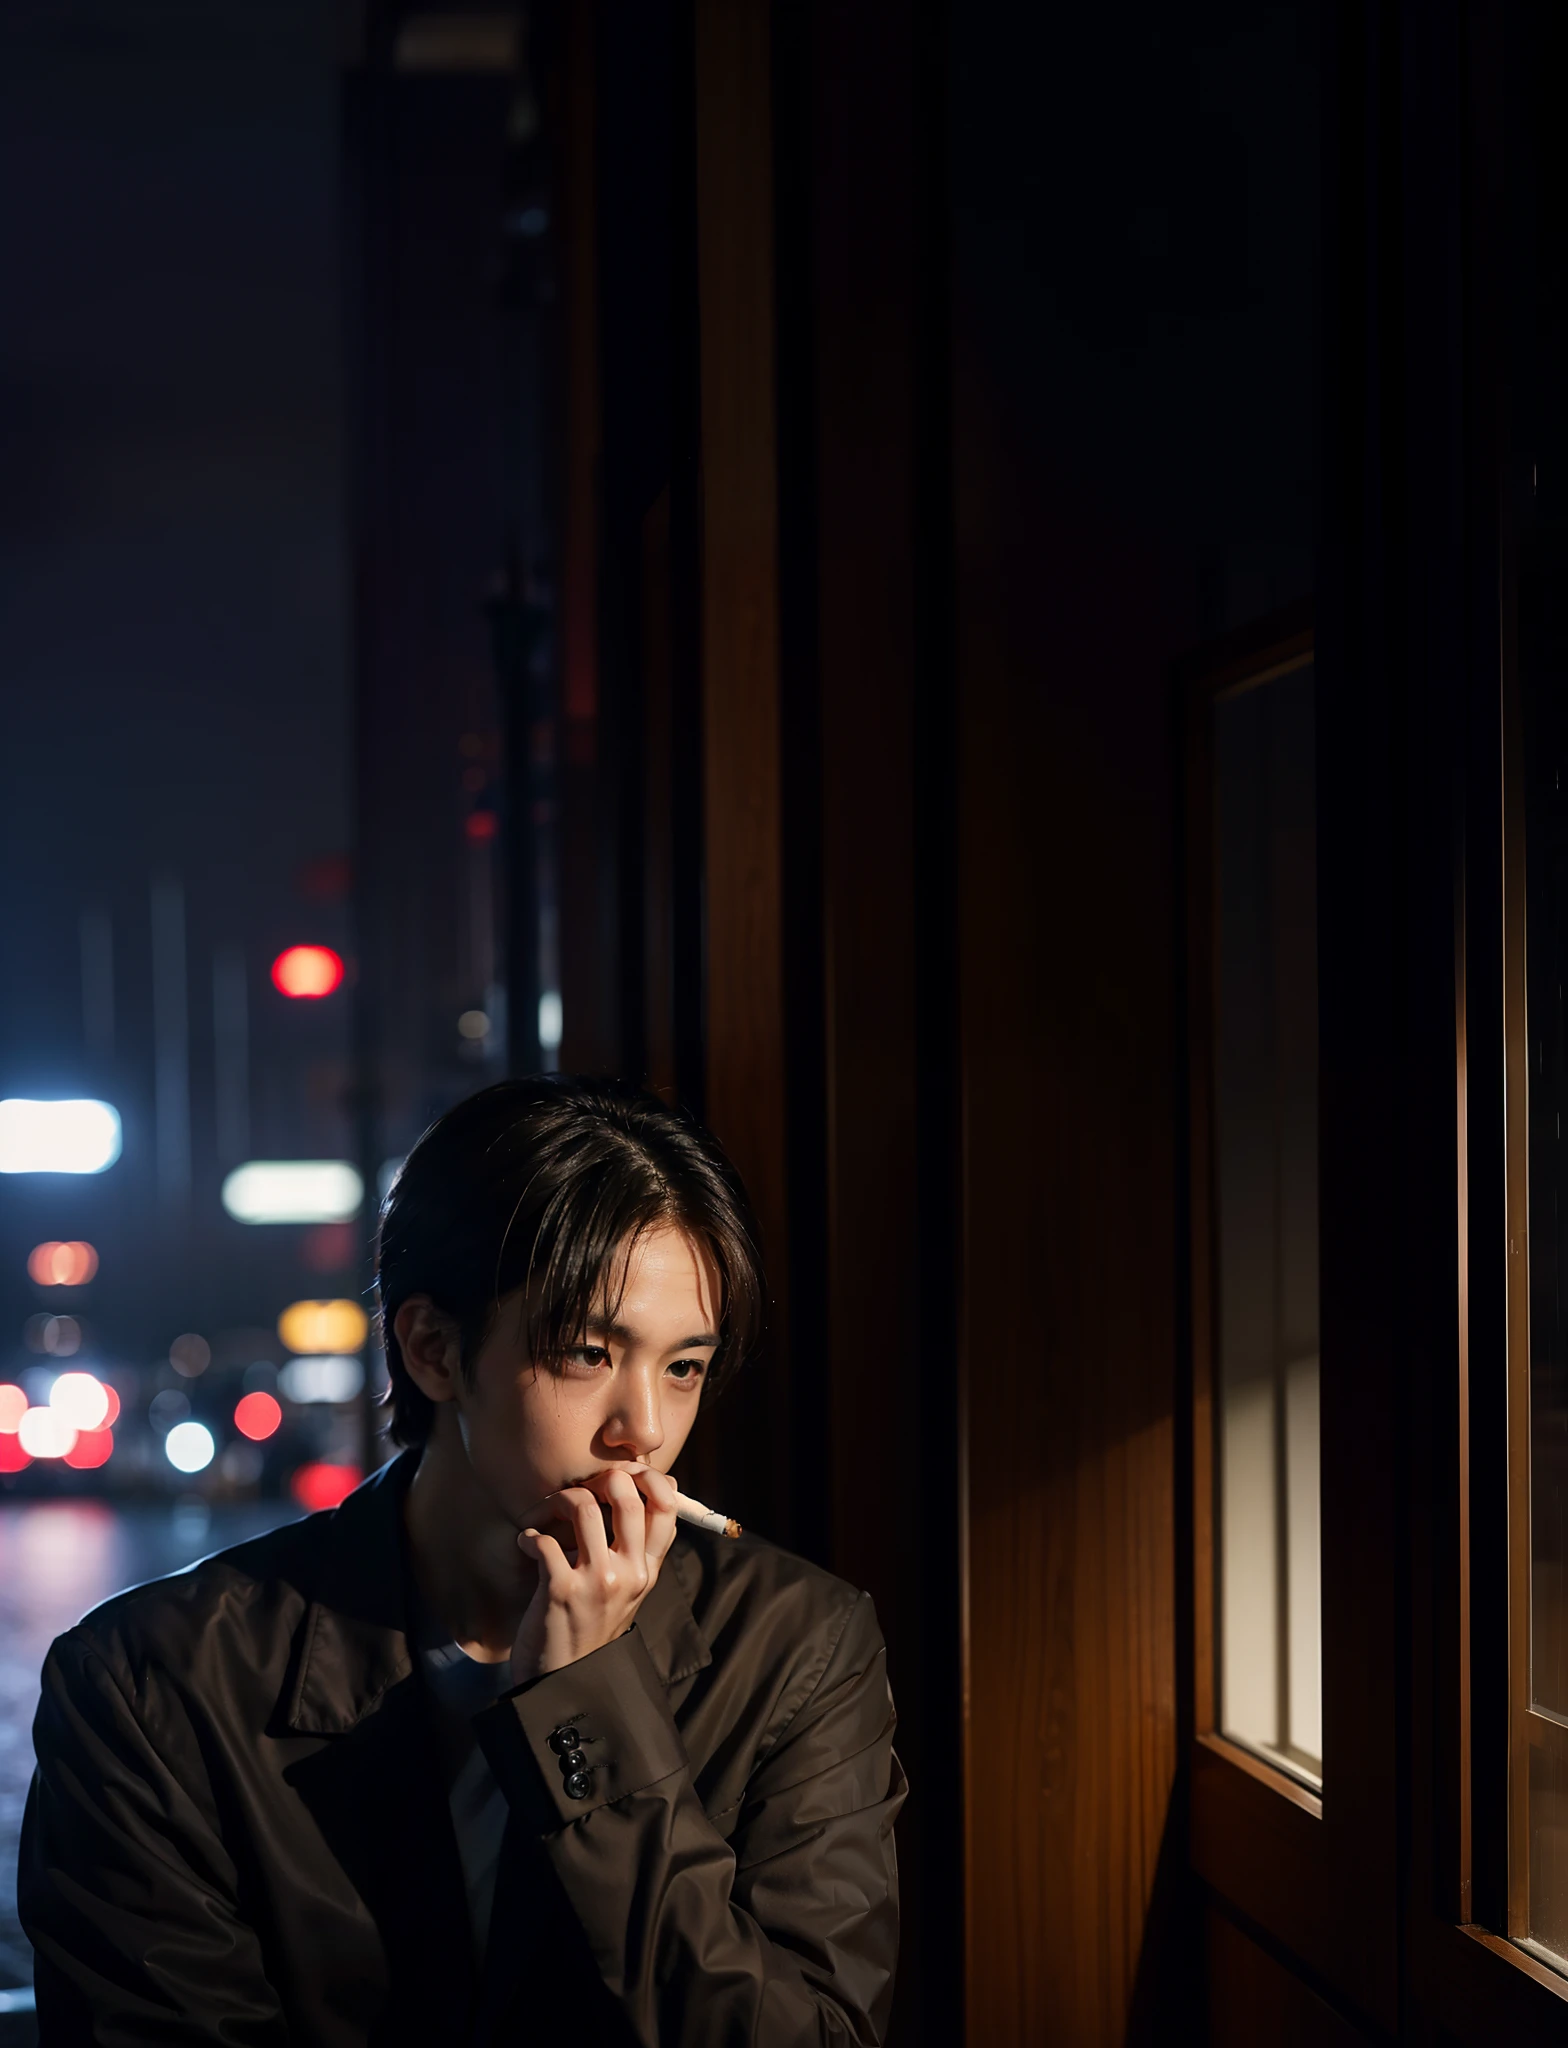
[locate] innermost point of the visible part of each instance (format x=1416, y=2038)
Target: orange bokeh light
x=307, y=971
x=323, y=1486
x=257, y=1416
x=53, y=1264
x=13, y=1406
x=91, y=1449
x=12, y=1457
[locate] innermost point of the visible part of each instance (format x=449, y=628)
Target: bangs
x=573, y=1275
x=541, y=1190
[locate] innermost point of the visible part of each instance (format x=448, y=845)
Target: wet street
x=57, y=1560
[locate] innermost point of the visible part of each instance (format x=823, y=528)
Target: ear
x=431, y=1345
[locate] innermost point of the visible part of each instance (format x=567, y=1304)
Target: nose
x=634, y=1422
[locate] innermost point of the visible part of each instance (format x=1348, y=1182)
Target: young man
x=501, y=1750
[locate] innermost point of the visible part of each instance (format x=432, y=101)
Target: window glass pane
x=1266, y=1168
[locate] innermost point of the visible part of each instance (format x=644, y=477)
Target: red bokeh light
x=481, y=825
x=329, y=1248
x=12, y=1457
x=13, y=1406
x=257, y=1416
x=307, y=971
x=91, y=1449
x=323, y=1486
x=112, y=1412
x=62, y=1265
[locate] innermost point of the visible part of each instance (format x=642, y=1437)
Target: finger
x=587, y=1518
x=547, y=1554
x=630, y=1519
x=661, y=1493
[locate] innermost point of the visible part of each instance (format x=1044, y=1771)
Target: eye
x=686, y=1371
x=585, y=1357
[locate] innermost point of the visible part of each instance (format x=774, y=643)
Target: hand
x=579, y=1606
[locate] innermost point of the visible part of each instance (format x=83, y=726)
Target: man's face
x=629, y=1392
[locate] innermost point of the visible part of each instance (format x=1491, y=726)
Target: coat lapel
x=374, y=1785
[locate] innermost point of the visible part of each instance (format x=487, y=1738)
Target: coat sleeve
x=787, y=1932
x=125, y=1889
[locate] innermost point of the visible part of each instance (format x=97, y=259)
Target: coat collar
x=355, y=1646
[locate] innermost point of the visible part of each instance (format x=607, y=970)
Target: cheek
x=547, y=1410
x=678, y=1416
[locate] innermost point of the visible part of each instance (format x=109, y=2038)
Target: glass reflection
x=1266, y=1187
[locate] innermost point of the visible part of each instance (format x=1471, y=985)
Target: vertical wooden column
x=739, y=664
x=868, y=575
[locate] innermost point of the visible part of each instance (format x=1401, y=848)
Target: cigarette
x=689, y=1510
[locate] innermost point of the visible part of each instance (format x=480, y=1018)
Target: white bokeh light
x=321, y=1379
x=293, y=1191
x=80, y=1400
x=75, y=1136
x=551, y=1020
x=189, y=1447
x=45, y=1433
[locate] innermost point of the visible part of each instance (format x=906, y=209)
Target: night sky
x=172, y=593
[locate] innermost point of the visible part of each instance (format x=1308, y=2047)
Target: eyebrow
x=705, y=1340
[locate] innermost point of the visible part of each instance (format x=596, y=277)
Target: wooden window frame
x=1314, y=1872
x=1467, y=1971
x=1527, y=1729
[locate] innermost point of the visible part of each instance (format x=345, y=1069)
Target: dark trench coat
x=238, y=1830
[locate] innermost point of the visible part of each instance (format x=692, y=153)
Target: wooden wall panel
x=739, y=627
x=1254, y=1999
x=1066, y=979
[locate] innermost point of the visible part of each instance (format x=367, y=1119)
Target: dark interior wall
x=1134, y=309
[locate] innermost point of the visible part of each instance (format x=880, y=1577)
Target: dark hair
x=539, y=1184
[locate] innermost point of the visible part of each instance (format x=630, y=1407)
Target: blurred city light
x=481, y=826
x=13, y=1406
x=189, y=1447
x=81, y=1400
x=305, y=1380
x=91, y=1449
x=167, y=1408
x=111, y=1414
x=58, y=1336
x=307, y=971
x=190, y=1355
x=473, y=1024
x=324, y=1486
x=550, y=1020
x=323, y=1326
x=329, y=1247
x=293, y=1191
x=12, y=1457
x=74, y=1136
x=257, y=1416
x=45, y=1433
x=62, y=1265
